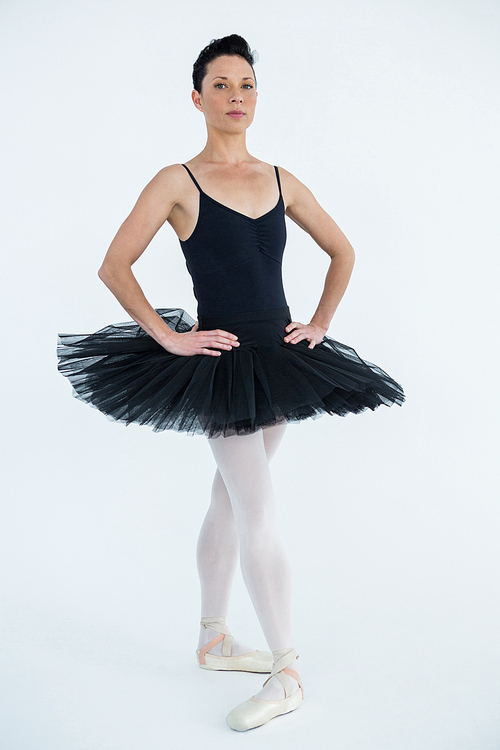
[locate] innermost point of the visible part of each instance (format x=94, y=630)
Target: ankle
x=280, y=658
x=206, y=635
x=211, y=628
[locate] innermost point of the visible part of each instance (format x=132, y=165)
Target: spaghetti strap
x=190, y=174
x=201, y=191
x=278, y=178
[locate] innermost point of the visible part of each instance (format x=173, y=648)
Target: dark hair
x=228, y=45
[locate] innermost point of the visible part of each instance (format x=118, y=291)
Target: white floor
x=411, y=681
x=395, y=570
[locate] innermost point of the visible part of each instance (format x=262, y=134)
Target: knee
x=254, y=518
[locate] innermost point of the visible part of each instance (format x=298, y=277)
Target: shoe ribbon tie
x=218, y=624
x=283, y=658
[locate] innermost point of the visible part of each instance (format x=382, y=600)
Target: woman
x=242, y=372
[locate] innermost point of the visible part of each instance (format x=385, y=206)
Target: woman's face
x=228, y=85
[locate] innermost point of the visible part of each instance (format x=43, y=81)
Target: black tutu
x=127, y=375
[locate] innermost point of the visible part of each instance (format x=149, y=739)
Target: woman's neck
x=225, y=148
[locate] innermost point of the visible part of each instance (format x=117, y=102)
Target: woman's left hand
x=312, y=332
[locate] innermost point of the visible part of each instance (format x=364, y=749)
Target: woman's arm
x=304, y=210
x=152, y=209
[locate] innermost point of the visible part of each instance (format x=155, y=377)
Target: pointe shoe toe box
x=253, y=713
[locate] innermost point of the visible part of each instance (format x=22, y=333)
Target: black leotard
x=234, y=260
x=235, y=264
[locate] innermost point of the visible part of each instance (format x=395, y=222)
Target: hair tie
x=255, y=56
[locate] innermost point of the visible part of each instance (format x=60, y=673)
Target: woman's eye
x=247, y=85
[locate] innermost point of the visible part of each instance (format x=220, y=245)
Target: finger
x=228, y=340
x=296, y=338
x=226, y=334
x=212, y=352
x=211, y=338
x=293, y=335
x=225, y=344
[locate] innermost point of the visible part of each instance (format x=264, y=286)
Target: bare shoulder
x=170, y=182
x=296, y=194
x=303, y=208
x=163, y=193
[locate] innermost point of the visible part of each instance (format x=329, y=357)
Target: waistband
x=215, y=321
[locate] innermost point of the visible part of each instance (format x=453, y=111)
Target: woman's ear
x=196, y=97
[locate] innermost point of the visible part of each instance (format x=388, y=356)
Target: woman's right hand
x=197, y=342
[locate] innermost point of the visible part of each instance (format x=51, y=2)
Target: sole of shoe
x=245, y=663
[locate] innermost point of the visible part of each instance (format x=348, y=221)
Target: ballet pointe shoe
x=255, y=661
x=253, y=712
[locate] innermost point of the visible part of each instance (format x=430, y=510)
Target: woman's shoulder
x=288, y=176
x=293, y=188
x=171, y=174
x=170, y=180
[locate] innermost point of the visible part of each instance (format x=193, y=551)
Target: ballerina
x=242, y=371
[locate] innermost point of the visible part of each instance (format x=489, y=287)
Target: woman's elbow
x=107, y=272
x=103, y=272
x=346, y=253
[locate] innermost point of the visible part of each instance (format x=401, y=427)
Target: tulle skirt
x=128, y=376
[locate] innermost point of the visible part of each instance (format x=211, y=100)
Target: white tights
x=241, y=520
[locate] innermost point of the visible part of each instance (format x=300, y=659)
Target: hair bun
x=255, y=56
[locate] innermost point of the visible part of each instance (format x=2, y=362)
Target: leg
x=243, y=464
x=218, y=550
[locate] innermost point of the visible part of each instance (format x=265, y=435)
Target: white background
x=388, y=111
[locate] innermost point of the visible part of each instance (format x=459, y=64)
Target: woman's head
x=228, y=45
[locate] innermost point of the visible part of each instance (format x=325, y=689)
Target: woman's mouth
x=236, y=113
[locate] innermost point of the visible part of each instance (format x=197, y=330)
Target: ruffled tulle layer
x=128, y=376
